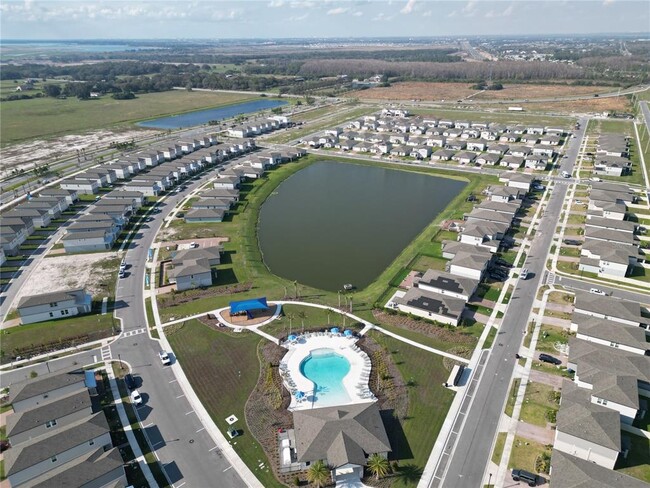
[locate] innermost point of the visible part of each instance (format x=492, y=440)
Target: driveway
x=546, y=378
x=534, y=433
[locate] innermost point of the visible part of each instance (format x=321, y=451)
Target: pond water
x=200, y=117
x=334, y=223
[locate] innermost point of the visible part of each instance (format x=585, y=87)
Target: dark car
x=129, y=380
x=547, y=358
x=525, y=476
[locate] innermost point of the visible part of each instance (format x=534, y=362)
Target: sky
x=217, y=19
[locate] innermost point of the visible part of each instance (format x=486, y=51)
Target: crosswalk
x=550, y=278
x=130, y=333
x=106, y=353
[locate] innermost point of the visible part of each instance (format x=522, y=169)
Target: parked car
x=572, y=242
x=164, y=357
x=193, y=245
x=524, y=274
x=121, y=273
x=547, y=358
x=597, y=291
x=565, y=174
x=136, y=398
x=129, y=380
x=525, y=476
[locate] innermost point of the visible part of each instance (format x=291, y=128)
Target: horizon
x=41, y=20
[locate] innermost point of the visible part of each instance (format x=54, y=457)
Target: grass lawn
x=429, y=401
x=490, y=338
x=549, y=335
x=47, y=117
x=512, y=397
x=500, y=117
x=498, y=447
x=86, y=327
x=570, y=251
x=223, y=362
x=640, y=273
x=536, y=403
x=422, y=263
x=637, y=463
x=524, y=453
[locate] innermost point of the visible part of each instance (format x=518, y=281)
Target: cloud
x=507, y=12
x=382, y=17
x=428, y=13
x=358, y=13
x=298, y=18
x=408, y=8
x=337, y=11
x=469, y=9
x=607, y=3
x=277, y=3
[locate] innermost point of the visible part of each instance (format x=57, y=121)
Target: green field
x=47, y=117
x=501, y=117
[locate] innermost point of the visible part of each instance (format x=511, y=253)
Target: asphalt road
x=471, y=453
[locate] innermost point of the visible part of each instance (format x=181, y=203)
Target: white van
x=565, y=174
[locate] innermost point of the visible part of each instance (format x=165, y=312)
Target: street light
x=490, y=481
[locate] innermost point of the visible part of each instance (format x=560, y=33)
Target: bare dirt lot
x=609, y=104
x=456, y=91
x=73, y=271
x=25, y=154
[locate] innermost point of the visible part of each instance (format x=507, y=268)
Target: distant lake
x=335, y=223
x=200, y=117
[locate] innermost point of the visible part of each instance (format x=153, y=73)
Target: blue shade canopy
x=347, y=332
x=248, y=305
x=292, y=337
x=300, y=394
x=334, y=330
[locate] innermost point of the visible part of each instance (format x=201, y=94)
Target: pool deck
x=355, y=382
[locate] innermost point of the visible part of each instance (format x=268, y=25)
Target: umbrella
x=292, y=337
x=334, y=330
x=347, y=333
x=300, y=395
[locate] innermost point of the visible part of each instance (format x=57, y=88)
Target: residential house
x=148, y=188
x=455, y=145
x=549, y=140
x=222, y=194
x=204, y=215
x=512, y=162
x=509, y=208
x=38, y=216
x=612, y=166
x=469, y=262
x=613, y=144
x=134, y=198
x=537, y=163
x=442, y=283
x=442, y=155
x=517, y=180
x=99, y=240
x=226, y=182
x=488, y=158
x=543, y=151
x=81, y=187
x=571, y=471
x=587, y=430
x=519, y=151
x=500, y=149
x=607, y=258
x=610, y=334
x=70, y=195
x=464, y=157
x=191, y=273
x=444, y=309
x=211, y=203
x=12, y=238
x=478, y=145
x=31, y=393
x=49, y=306
x=421, y=152
x=613, y=309
x=483, y=234
x=504, y=193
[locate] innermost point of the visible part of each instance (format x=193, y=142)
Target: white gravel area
x=65, y=272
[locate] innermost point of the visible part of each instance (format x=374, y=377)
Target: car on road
x=121, y=274
x=594, y=178
x=164, y=358
x=525, y=476
x=547, y=358
x=129, y=380
x=597, y=291
x=524, y=274
x=136, y=398
x=193, y=245
x=565, y=174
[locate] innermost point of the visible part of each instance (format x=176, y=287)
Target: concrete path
x=557, y=322
x=535, y=433
x=559, y=307
x=546, y=378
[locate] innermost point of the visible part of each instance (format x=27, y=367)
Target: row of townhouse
x=612, y=156
x=442, y=296
x=37, y=212
x=611, y=387
x=193, y=268
x=480, y=152
x=386, y=122
x=611, y=246
x=59, y=434
x=261, y=126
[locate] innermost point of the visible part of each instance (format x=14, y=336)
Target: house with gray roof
x=488, y=158
x=446, y=284
x=469, y=263
x=212, y=254
x=622, y=311
x=134, y=198
x=610, y=334
x=512, y=162
x=50, y=416
x=98, y=468
x=31, y=393
x=608, y=258
x=70, y=195
x=204, y=215
x=483, y=234
x=90, y=241
x=38, y=217
x=210, y=203
x=509, y=208
x=485, y=215
x=587, y=430
x=611, y=236
x=568, y=471
x=343, y=436
x=147, y=188
x=504, y=194
x=611, y=224
x=45, y=453
x=55, y=305
x=517, y=180
x=442, y=155
x=51, y=206
x=444, y=309
x=612, y=166
x=190, y=273
x=11, y=238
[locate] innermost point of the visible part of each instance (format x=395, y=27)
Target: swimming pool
x=326, y=369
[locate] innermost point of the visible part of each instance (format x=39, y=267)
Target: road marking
x=215, y=447
x=202, y=428
x=191, y=411
x=129, y=333
x=227, y=469
x=106, y=353
x=180, y=396
x=148, y=425
x=173, y=381
x=179, y=486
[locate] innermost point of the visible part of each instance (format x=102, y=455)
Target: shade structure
x=292, y=337
x=347, y=333
x=334, y=330
x=248, y=305
x=300, y=394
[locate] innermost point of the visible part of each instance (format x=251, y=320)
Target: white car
x=136, y=399
x=597, y=291
x=164, y=357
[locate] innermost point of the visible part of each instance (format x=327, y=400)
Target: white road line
x=191, y=411
x=227, y=469
x=173, y=381
x=202, y=428
x=179, y=486
x=215, y=447
x=180, y=396
x=148, y=425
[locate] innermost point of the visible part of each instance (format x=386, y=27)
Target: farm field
x=451, y=91
x=47, y=117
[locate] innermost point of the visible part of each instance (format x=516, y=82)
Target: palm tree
x=303, y=315
x=378, y=466
x=290, y=316
x=318, y=474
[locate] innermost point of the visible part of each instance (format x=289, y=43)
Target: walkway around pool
x=355, y=381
